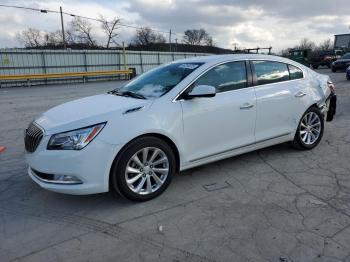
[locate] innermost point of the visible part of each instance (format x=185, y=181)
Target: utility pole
x=62, y=25
x=235, y=46
x=170, y=40
x=124, y=56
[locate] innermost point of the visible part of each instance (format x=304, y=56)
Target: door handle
x=300, y=94
x=246, y=106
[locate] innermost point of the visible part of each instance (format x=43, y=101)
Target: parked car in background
x=341, y=64
x=322, y=58
x=348, y=73
x=184, y=114
x=314, y=59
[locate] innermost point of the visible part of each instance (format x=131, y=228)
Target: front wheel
x=310, y=130
x=143, y=169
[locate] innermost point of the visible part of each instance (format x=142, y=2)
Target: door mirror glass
x=201, y=91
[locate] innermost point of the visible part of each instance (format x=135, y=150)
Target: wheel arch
x=300, y=117
x=169, y=141
x=163, y=137
x=296, y=142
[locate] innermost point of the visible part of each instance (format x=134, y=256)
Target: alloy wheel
x=310, y=128
x=147, y=170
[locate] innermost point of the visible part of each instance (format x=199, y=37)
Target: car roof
x=223, y=58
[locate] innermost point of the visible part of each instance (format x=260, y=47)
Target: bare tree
x=55, y=38
x=197, y=37
x=305, y=43
x=209, y=41
x=31, y=37
x=327, y=44
x=110, y=28
x=284, y=52
x=82, y=30
x=146, y=36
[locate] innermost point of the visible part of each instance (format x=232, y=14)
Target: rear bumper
x=332, y=108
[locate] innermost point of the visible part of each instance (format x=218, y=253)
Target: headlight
x=75, y=139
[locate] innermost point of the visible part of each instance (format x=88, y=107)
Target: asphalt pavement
x=275, y=204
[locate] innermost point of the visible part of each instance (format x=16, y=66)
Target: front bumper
x=91, y=167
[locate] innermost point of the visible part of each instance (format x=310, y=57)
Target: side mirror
x=200, y=91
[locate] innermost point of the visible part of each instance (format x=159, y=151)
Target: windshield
x=161, y=80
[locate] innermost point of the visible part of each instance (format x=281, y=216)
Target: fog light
x=67, y=179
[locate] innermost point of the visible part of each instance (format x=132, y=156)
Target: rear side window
x=268, y=72
x=295, y=73
x=225, y=77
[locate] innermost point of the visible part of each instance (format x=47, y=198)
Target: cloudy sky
x=248, y=23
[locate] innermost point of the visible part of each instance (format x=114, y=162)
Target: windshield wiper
x=127, y=93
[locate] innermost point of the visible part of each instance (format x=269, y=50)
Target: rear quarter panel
x=318, y=86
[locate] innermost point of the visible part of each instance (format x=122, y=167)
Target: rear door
x=281, y=98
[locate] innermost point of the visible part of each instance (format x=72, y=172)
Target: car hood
x=87, y=111
x=342, y=61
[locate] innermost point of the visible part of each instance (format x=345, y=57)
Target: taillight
x=331, y=86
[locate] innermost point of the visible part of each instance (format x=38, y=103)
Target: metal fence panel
x=23, y=61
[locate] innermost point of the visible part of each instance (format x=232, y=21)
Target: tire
x=314, y=66
x=307, y=138
x=140, y=179
x=334, y=70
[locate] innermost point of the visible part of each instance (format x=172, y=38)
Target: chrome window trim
x=240, y=60
x=299, y=69
x=287, y=81
x=195, y=79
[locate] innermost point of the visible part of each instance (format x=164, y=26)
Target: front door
x=224, y=122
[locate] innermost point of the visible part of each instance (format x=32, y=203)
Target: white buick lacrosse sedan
x=184, y=114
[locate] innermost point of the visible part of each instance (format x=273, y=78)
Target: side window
x=268, y=72
x=295, y=73
x=225, y=77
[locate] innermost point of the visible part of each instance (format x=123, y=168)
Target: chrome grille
x=32, y=138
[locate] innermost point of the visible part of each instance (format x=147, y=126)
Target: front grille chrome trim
x=33, y=136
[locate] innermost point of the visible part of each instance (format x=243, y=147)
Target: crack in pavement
x=97, y=226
